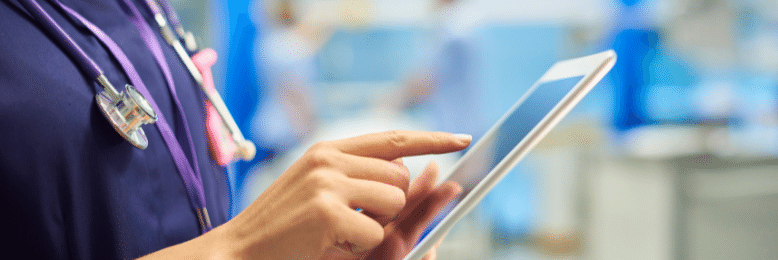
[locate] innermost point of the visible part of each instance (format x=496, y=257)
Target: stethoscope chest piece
x=127, y=111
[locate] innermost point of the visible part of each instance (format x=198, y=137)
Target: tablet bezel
x=593, y=68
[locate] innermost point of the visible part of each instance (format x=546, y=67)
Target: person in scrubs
x=445, y=81
x=72, y=188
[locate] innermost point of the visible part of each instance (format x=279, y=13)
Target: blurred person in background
x=280, y=113
x=635, y=40
x=244, y=85
x=446, y=79
x=286, y=51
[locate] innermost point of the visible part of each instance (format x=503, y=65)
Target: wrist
x=223, y=243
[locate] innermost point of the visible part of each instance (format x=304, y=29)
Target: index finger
x=396, y=144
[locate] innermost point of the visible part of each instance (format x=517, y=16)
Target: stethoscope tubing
x=84, y=62
x=74, y=51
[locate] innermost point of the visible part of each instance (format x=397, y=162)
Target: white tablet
x=514, y=135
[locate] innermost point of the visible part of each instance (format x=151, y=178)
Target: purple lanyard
x=191, y=177
x=172, y=16
x=151, y=42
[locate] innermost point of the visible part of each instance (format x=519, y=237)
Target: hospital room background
x=672, y=156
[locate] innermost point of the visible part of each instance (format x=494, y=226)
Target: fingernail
x=465, y=138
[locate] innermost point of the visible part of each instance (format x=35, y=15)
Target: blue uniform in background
x=635, y=41
x=243, y=88
x=71, y=186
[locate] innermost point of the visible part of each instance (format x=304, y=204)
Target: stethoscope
x=128, y=110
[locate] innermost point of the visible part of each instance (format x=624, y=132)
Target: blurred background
x=672, y=156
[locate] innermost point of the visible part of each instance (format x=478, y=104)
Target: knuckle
x=398, y=199
x=404, y=176
x=397, y=138
x=319, y=156
x=319, y=146
x=324, y=210
x=399, y=176
x=321, y=180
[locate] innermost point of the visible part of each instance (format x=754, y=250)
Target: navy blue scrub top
x=71, y=187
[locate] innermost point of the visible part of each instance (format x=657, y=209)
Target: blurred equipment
x=246, y=150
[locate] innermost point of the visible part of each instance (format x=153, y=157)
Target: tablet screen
x=507, y=135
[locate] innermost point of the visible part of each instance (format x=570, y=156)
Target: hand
x=311, y=207
x=424, y=202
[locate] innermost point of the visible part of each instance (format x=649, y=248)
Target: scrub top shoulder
x=70, y=186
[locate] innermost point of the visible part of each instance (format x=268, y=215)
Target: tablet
x=514, y=135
